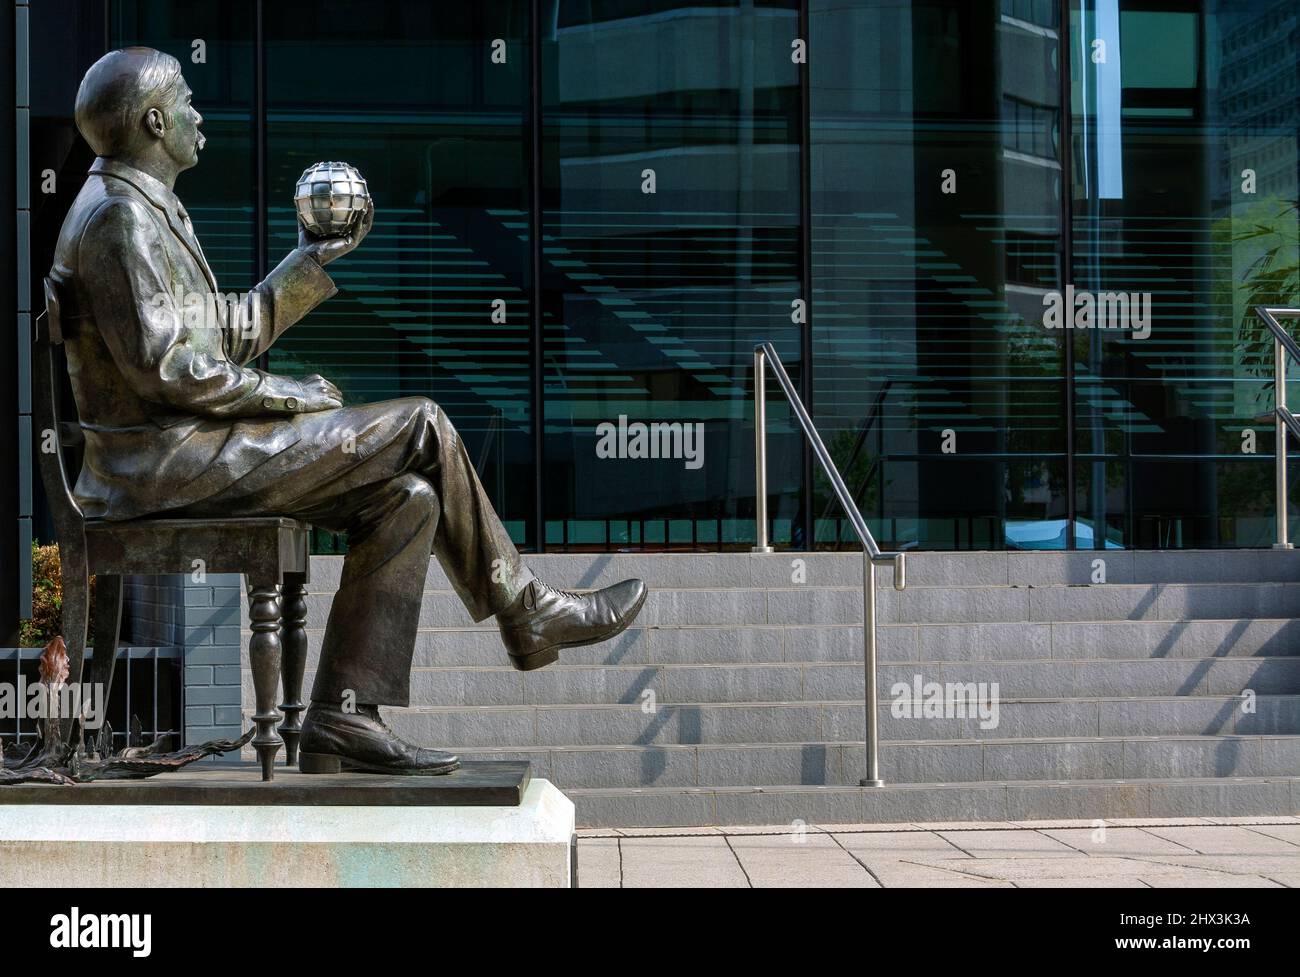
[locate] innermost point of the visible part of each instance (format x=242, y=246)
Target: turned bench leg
x=293, y=639
x=264, y=659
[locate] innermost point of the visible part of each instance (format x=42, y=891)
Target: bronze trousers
x=396, y=478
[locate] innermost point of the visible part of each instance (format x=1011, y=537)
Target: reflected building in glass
x=590, y=211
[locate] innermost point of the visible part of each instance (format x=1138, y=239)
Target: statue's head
x=135, y=103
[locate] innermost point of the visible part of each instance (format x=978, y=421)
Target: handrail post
x=871, y=553
x=1279, y=445
x=761, y=544
x=869, y=665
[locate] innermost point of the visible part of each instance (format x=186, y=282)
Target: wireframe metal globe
x=330, y=198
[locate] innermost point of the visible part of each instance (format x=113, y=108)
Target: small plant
x=1272, y=277
x=46, y=622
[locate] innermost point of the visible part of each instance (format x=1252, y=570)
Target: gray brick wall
x=203, y=618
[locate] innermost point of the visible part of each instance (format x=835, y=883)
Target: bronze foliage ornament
x=90, y=757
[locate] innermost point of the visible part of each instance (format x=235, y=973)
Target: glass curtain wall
x=897, y=193
x=1185, y=183
x=670, y=209
x=937, y=230
x=429, y=102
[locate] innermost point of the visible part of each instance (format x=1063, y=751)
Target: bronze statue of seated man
x=176, y=422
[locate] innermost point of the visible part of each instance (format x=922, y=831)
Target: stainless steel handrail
x=1283, y=420
x=871, y=554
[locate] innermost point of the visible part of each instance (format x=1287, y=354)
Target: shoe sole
x=334, y=763
x=551, y=653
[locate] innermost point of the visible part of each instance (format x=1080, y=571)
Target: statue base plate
x=499, y=783
x=486, y=825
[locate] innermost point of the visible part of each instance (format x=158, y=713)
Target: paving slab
x=902, y=844
x=1266, y=866
x=1160, y=822
x=1212, y=881
x=599, y=863
x=1246, y=819
x=704, y=863
x=905, y=874
x=1282, y=832
x=816, y=861
x=1289, y=879
x=772, y=830
x=1117, y=882
x=668, y=832
x=1117, y=841
x=1017, y=844
x=1172, y=853
x=1075, y=867
x=1225, y=840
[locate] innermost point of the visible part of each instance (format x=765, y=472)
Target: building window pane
x=671, y=222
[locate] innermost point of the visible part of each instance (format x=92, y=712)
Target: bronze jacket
x=157, y=357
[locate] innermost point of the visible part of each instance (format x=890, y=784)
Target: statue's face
x=182, y=137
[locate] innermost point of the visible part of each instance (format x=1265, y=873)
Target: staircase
x=737, y=698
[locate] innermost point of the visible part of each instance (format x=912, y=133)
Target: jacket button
x=291, y=403
x=268, y=401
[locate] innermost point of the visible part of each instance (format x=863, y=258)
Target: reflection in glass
x=1201, y=215
x=671, y=210
x=936, y=180
x=436, y=301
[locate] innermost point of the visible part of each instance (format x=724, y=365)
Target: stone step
x=531, y=727
x=937, y=761
x=741, y=606
x=502, y=685
x=736, y=697
x=447, y=647
x=912, y=803
x=928, y=569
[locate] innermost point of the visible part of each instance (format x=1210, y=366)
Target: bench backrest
x=48, y=435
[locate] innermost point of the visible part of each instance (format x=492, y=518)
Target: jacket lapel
x=191, y=245
x=164, y=200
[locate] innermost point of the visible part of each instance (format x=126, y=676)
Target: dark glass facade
x=589, y=211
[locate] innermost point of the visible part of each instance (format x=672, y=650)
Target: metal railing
x=1283, y=420
x=871, y=554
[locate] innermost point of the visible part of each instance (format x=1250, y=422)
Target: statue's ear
x=155, y=123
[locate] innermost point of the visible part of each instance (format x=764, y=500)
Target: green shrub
x=47, y=600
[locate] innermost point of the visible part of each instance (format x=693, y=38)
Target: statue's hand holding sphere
x=335, y=210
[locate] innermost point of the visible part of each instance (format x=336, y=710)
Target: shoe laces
x=531, y=593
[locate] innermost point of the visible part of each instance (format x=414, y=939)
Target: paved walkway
x=1119, y=853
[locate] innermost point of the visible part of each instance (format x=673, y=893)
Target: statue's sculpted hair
x=117, y=91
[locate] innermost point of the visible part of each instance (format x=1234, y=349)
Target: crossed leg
x=396, y=478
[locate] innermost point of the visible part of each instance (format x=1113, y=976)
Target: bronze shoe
x=334, y=741
x=543, y=620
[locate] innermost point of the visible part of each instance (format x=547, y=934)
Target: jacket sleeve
x=296, y=286
x=124, y=262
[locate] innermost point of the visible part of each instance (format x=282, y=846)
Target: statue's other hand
x=327, y=249
x=319, y=394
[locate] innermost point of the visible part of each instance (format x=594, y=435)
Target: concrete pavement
x=1237, y=852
